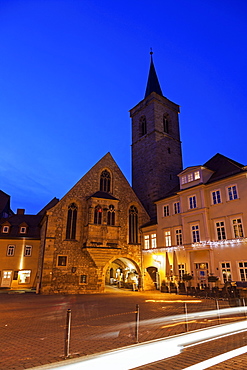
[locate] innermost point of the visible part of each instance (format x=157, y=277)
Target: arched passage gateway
x=123, y=273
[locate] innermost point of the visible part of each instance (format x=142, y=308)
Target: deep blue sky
x=70, y=71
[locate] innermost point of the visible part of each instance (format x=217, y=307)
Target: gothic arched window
x=105, y=181
x=165, y=123
x=98, y=215
x=133, y=225
x=111, y=216
x=143, y=125
x=71, y=221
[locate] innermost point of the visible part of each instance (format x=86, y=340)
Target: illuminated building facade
x=201, y=227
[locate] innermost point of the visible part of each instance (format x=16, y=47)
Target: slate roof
x=103, y=195
x=32, y=222
x=153, y=84
x=51, y=204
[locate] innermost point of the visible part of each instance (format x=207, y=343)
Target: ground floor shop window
x=62, y=260
x=24, y=276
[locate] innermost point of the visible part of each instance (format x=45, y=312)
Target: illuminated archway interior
x=122, y=273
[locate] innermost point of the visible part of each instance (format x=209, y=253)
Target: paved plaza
x=32, y=327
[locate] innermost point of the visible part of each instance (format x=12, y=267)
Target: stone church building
x=91, y=237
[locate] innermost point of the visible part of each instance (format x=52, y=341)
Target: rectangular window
x=166, y=211
x=192, y=202
x=83, y=279
x=153, y=240
x=179, y=239
x=220, y=229
x=195, y=234
x=184, y=180
x=62, y=260
x=216, y=197
x=226, y=271
x=190, y=177
x=23, y=230
x=181, y=271
x=243, y=270
x=28, y=251
x=24, y=276
x=232, y=192
x=11, y=250
x=168, y=240
x=146, y=242
x=197, y=175
x=176, y=208
x=237, y=228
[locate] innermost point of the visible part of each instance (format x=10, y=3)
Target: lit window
x=28, y=251
x=226, y=271
x=179, y=239
x=23, y=230
x=232, y=192
x=176, y=208
x=195, y=233
x=168, y=240
x=97, y=215
x=153, y=240
x=146, y=242
x=166, y=211
x=192, y=202
x=197, y=175
x=24, y=276
x=62, y=260
x=190, y=177
x=5, y=229
x=184, y=180
x=216, y=197
x=220, y=229
x=83, y=279
x=10, y=250
x=181, y=271
x=243, y=270
x=237, y=228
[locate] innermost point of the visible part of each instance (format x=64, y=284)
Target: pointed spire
x=153, y=82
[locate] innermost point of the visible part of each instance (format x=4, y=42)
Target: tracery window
x=105, y=181
x=111, y=216
x=98, y=215
x=133, y=225
x=71, y=221
x=143, y=125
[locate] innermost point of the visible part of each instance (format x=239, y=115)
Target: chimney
x=20, y=211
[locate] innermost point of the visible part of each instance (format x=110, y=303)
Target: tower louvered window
x=143, y=125
x=71, y=221
x=165, y=123
x=133, y=225
x=105, y=181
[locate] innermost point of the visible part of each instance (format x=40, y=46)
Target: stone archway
x=123, y=272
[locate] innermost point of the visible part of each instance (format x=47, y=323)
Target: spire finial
x=151, y=52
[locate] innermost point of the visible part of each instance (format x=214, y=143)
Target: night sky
x=70, y=71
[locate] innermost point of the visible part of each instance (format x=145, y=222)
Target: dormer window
x=23, y=230
x=190, y=177
x=5, y=229
x=197, y=175
x=184, y=180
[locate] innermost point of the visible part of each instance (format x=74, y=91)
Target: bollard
x=67, y=334
x=137, y=323
x=218, y=308
x=245, y=312
x=186, y=317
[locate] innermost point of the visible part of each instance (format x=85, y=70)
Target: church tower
x=156, y=146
